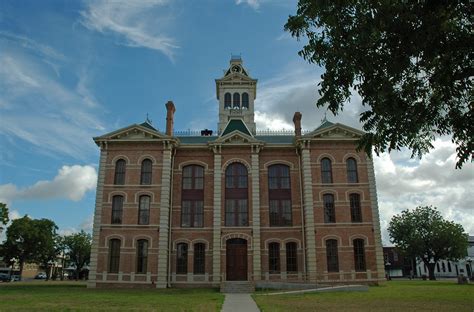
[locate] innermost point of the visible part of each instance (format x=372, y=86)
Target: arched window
x=142, y=256
x=359, y=255
x=291, y=257
x=117, y=209
x=199, y=258
x=329, y=211
x=326, y=170
x=145, y=177
x=356, y=213
x=192, y=196
x=119, y=177
x=114, y=255
x=279, y=194
x=332, y=255
x=236, y=194
x=245, y=100
x=227, y=100
x=182, y=258
x=351, y=165
x=274, y=257
x=144, y=210
x=236, y=103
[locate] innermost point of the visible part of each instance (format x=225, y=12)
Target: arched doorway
x=236, y=259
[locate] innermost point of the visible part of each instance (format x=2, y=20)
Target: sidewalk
x=239, y=302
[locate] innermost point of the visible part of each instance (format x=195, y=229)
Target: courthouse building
x=237, y=204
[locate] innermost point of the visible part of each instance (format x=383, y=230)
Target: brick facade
x=164, y=231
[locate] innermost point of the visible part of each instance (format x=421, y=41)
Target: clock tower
x=236, y=92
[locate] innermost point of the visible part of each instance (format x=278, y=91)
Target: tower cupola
x=236, y=92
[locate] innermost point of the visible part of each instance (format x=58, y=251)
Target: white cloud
x=254, y=4
x=40, y=109
x=138, y=23
x=405, y=183
x=71, y=182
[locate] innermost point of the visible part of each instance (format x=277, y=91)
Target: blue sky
x=71, y=70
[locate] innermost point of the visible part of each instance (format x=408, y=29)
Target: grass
x=74, y=296
x=393, y=296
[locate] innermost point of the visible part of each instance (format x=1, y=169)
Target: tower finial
x=324, y=118
x=148, y=120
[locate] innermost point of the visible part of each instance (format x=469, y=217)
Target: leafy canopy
x=411, y=62
x=78, y=248
x=423, y=233
x=30, y=240
x=3, y=214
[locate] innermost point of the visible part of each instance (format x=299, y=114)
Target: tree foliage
x=423, y=233
x=78, y=248
x=412, y=62
x=30, y=240
x=3, y=215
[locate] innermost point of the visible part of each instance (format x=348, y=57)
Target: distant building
x=178, y=209
x=396, y=265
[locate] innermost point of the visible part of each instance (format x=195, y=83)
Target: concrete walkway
x=239, y=302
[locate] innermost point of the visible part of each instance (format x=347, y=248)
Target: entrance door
x=236, y=255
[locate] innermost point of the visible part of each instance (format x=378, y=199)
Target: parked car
x=40, y=275
x=4, y=277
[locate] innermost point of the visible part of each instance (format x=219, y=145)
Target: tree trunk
x=21, y=269
x=431, y=270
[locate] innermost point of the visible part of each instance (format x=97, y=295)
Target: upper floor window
x=359, y=254
x=193, y=177
x=142, y=256
x=236, y=99
x=329, y=211
x=119, y=177
x=192, y=197
x=117, y=209
x=144, y=210
x=326, y=170
x=332, y=255
x=291, y=257
x=279, y=194
x=199, y=258
x=274, y=257
x=352, y=170
x=227, y=100
x=245, y=100
x=182, y=258
x=114, y=255
x=145, y=177
x=236, y=195
x=356, y=213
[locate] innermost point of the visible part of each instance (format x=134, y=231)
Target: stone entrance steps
x=245, y=287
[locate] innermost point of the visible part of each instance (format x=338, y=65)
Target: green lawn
x=393, y=296
x=74, y=296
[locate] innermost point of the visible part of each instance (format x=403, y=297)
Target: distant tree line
x=36, y=241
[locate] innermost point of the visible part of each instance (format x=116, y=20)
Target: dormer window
x=236, y=103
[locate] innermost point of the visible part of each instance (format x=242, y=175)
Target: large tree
x=412, y=62
x=3, y=215
x=424, y=234
x=78, y=248
x=30, y=240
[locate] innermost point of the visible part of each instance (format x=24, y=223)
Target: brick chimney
x=170, y=109
x=297, y=122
